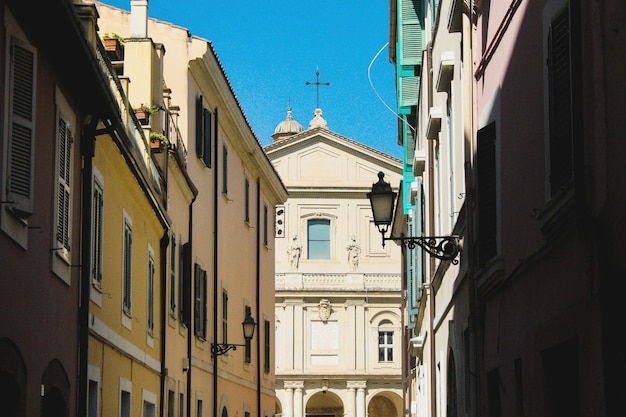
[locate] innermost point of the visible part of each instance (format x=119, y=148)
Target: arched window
x=385, y=341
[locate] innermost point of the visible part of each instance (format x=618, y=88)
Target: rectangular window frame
x=97, y=231
x=385, y=346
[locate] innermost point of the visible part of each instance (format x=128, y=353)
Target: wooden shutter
x=206, y=136
x=486, y=191
x=560, y=93
x=151, y=272
x=64, y=180
x=199, y=128
x=411, y=32
x=197, y=293
x=96, y=245
x=21, y=128
x=186, y=290
x=127, y=285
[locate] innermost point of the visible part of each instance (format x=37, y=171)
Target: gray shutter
x=21, y=128
x=64, y=180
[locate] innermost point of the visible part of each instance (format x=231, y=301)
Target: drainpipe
x=215, y=261
x=165, y=240
x=258, y=295
x=431, y=232
x=87, y=147
x=188, y=313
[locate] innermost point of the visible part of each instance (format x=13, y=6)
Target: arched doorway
x=56, y=386
x=385, y=404
x=324, y=404
x=12, y=380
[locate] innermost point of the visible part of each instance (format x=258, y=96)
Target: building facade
x=514, y=154
x=125, y=233
x=338, y=294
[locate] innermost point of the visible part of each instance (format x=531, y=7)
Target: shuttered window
x=185, y=286
x=173, y=265
x=200, y=295
x=151, y=272
x=64, y=179
x=96, y=234
x=560, y=96
x=204, y=125
x=267, y=353
x=127, y=267
x=21, y=128
x=486, y=191
x=224, y=317
x=225, y=170
x=411, y=31
x=246, y=213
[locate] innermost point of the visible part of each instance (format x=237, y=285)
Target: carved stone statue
x=354, y=253
x=294, y=251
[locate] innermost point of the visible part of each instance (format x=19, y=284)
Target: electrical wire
x=369, y=77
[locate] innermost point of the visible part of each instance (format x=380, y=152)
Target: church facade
x=338, y=290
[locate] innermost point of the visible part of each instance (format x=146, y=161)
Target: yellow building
x=221, y=194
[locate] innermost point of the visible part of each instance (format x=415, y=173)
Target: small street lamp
x=382, y=199
x=248, y=325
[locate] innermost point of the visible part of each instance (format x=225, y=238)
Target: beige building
x=338, y=290
x=221, y=192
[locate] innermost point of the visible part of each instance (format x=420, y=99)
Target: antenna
x=317, y=84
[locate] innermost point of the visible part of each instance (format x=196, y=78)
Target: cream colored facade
x=338, y=293
x=222, y=190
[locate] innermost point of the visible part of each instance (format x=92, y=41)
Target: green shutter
x=199, y=129
x=411, y=30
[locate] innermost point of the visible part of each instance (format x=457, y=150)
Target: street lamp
x=248, y=325
x=382, y=198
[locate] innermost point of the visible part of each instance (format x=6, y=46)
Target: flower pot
x=113, y=47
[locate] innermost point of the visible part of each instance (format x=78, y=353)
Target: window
x=20, y=151
x=246, y=214
x=171, y=406
x=385, y=346
x=173, y=265
x=486, y=192
x=199, y=408
x=92, y=401
x=494, y=403
x=184, y=288
x=248, y=352
x=224, y=170
x=560, y=101
x=125, y=403
x=266, y=347
x=181, y=405
x=127, y=266
x=151, y=271
x=97, y=222
x=224, y=317
x=318, y=239
x=200, y=295
x=203, y=132
x=64, y=181
x=265, y=225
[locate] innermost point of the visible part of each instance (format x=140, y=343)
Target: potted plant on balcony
x=143, y=113
x=113, y=45
x=158, y=141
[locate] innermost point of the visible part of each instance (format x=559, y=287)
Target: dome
x=287, y=127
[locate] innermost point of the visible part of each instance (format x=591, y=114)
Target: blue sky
x=271, y=49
